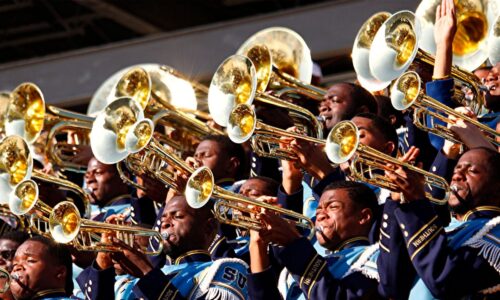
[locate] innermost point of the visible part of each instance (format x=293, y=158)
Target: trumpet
x=27, y=116
x=406, y=92
x=474, y=21
x=121, y=132
x=4, y=280
x=66, y=225
x=282, y=61
x=366, y=162
x=201, y=187
x=395, y=49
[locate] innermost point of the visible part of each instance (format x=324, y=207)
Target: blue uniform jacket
x=414, y=240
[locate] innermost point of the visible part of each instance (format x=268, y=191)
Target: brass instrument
x=366, y=162
x=396, y=47
x=117, y=135
x=16, y=165
x=4, y=280
x=243, y=125
x=17, y=222
x=407, y=92
x=27, y=116
x=201, y=187
x=66, y=226
x=235, y=82
x=494, y=42
x=474, y=20
x=282, y=61
x=361, y=51
x=157, y=91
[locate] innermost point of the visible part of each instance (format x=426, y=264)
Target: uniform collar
x=352, y=242
x=51, y=293
x=192, y=256
x=487, y=212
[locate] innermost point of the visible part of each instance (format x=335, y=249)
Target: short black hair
x=361, y=97
x=359, y=193
x=493, y=159
x=384, y=127
x=385, y=110
x=15, y=236
x=272, y=184
x=232, y=150
x=60, y=255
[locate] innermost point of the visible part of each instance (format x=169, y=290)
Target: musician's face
x=338, y=217
x=36, y=270
x=187, y=228
x=103, y=181
x=371, y=136
x=474, y=183
x=7, y=251
x=211, y=155
x=254, y=188
x=337, y=105
x=493, y=81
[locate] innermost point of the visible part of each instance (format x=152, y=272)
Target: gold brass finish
x=366, y=163
x=66, y=226
x=16, y=164
x=201, y=187
x=407, y=92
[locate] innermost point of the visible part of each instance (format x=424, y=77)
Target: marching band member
x=343, y=218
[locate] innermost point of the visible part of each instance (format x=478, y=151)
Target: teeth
x=454, y=188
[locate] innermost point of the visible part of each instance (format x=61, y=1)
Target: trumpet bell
x=16, y=164
x=405, y=90
x=342, y=142
x=242, y=123
x=199, y=187
x=26, y=112
x=64, y=222
x=116, y=131
x=233, y=83
x=262, y=61
x=361, y=52
x=24, y=197
x=290, y=53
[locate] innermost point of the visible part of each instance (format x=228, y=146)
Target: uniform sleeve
x=442, y=91
x=310, y=271
x=447, y=273
x=291, y=201
x=393, y=259
x=263, y=285
x=96, y=283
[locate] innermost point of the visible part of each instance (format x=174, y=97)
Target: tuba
x=201, y=187
x=66, y=225
x=282, y=61
x=475, y=19
x=494, y=42
x=366, y=162
x=406, y=92
x=395, y=48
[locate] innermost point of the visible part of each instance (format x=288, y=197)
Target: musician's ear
x=234, y=164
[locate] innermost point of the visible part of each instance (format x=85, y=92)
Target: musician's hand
x=155, y=190
x=468, y=133
x=82, y=154
x=131, y=260
x=277, y=230
x=312, y=158
x=409, y=183
x=446, y=23
x=292, y=173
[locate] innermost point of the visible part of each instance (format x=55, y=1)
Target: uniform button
x=254, y=158
x=386, y=217
x=253, y=165
x=434, y=168
x=89, y=289
x=158, y=222
x=405, y=233
x=402, y=226
x=90, y=282
x=384, y=224
x=132, y=214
